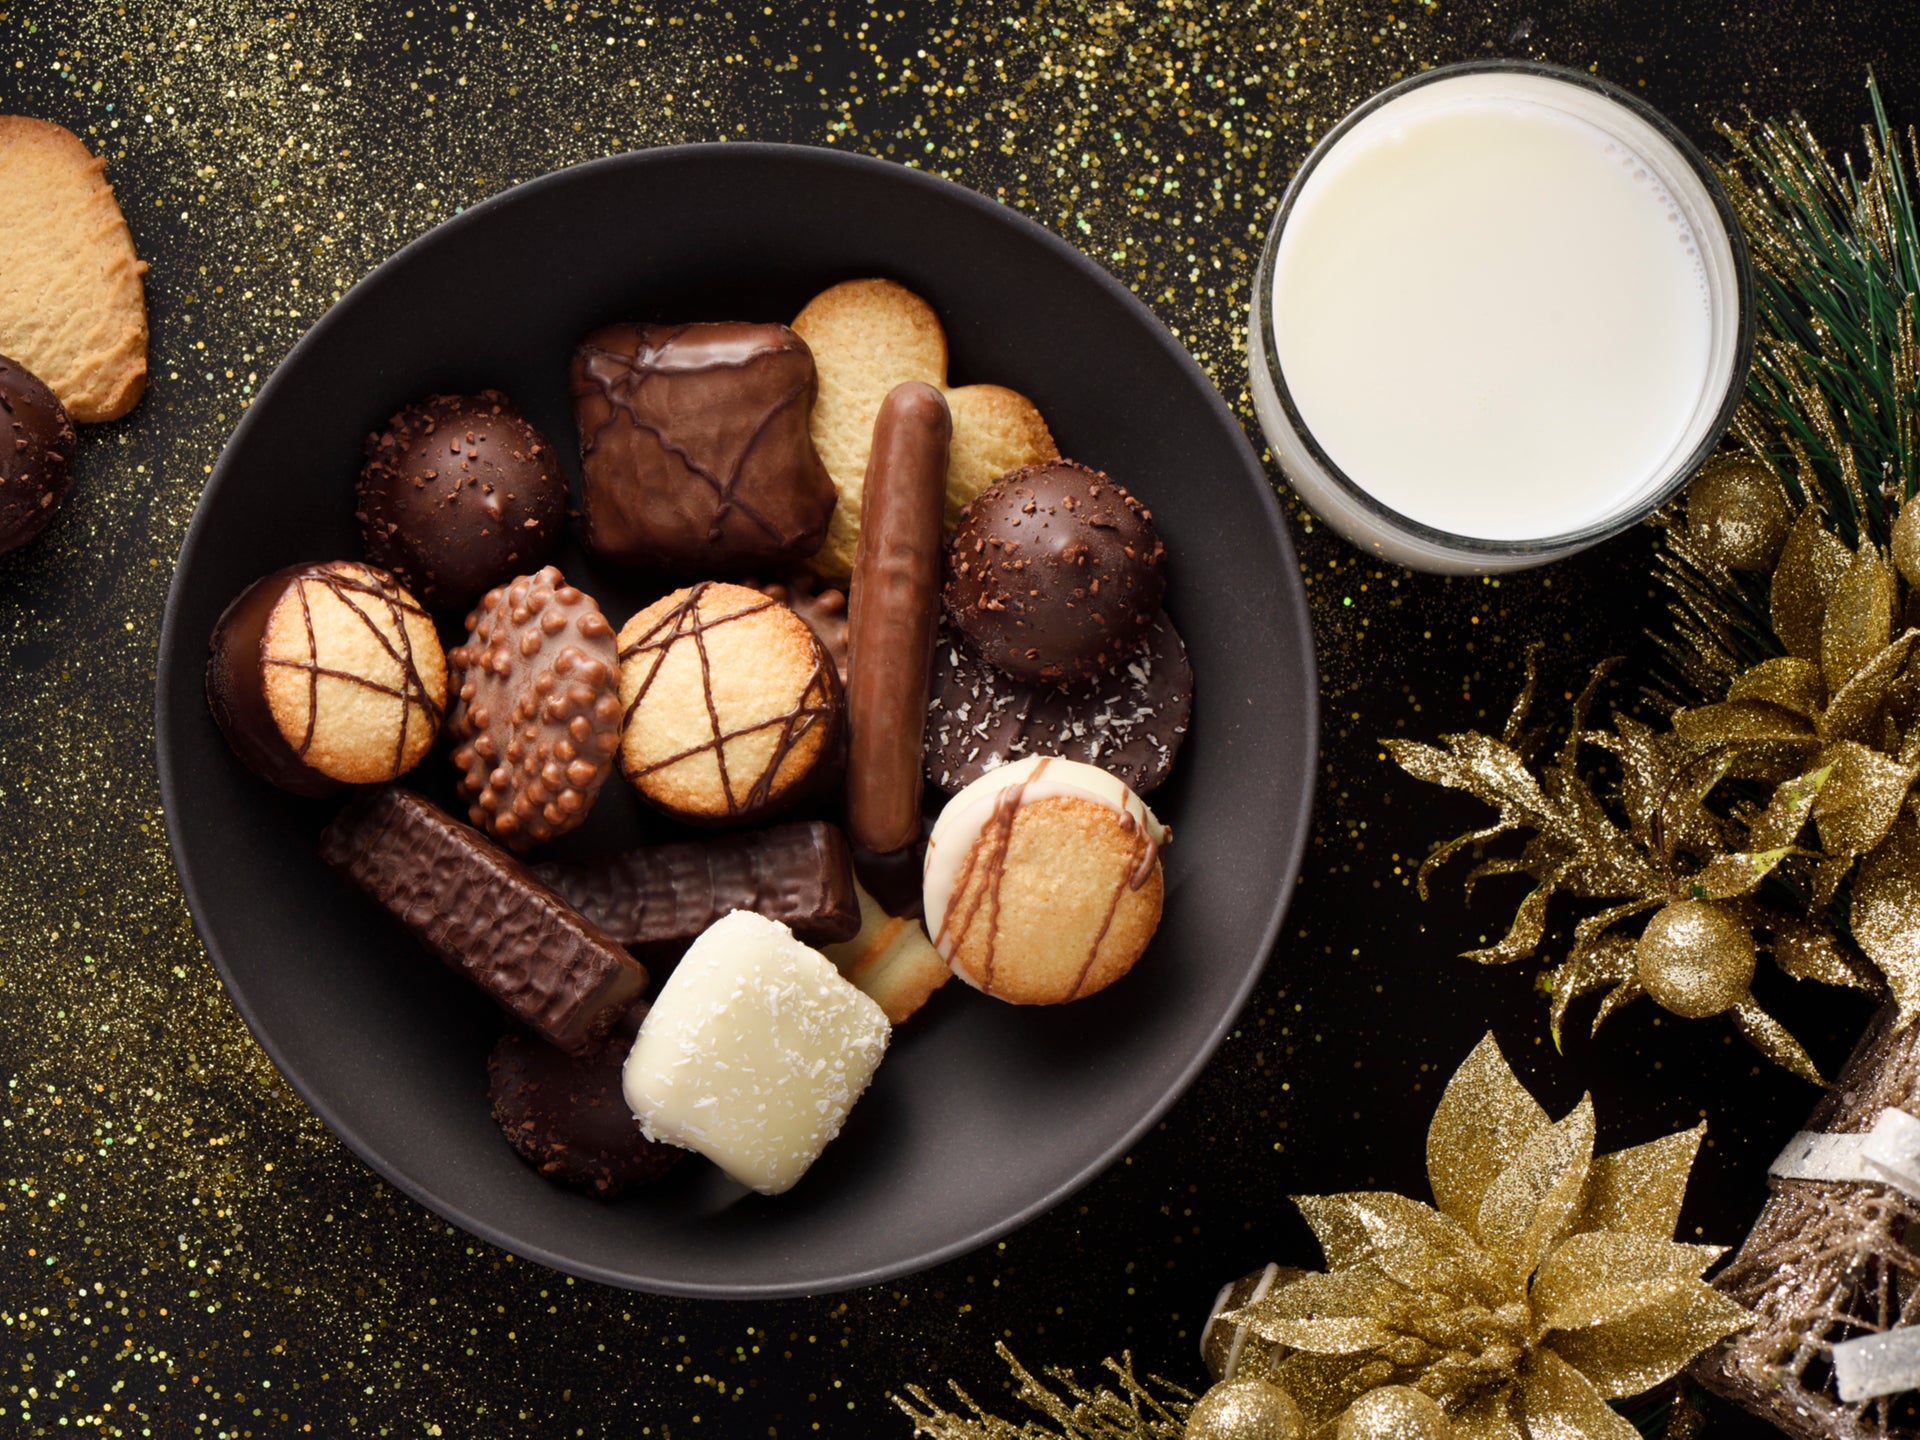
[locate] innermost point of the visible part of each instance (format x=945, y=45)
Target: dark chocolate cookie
x=535, y=720
x=567, y=1117
x=1129, y=722
x=36, y=455
x=1054, y=573
x=458, y=494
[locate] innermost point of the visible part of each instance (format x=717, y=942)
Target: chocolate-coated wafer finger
x=893, y=608
x=486, y=915
x=800, y=875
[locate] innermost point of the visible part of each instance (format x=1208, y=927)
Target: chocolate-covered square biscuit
x=694, y=447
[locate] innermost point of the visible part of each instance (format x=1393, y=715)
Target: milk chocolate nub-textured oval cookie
x=330, y=674
x=36, y=454
x=535, y=721
x=1055, y=573
x=460, y=493
x=732, y=707
x=1043, y=881
x=694, y=448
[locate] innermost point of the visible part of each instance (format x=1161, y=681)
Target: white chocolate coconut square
x=753, y=1053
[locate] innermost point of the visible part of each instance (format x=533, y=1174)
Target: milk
x=1491, y=316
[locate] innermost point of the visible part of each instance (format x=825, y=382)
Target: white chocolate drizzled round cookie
x=353, y=672
x=1043, y=881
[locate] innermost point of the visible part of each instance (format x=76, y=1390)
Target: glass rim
x=1603, y=529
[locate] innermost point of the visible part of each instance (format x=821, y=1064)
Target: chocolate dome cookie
x=36, y=454
x=731, y=704
x=1043, y=881
x=1129, y=721
x=1054, y=573
x=458, y=494
x=536, y=713
x=323, y=675
x=566, y=1114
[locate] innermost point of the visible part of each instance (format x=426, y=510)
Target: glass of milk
x=1504, y=311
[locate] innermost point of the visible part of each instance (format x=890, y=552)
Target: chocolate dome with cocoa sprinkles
x=1054, y=573
x=458, y=494
x=36, y=454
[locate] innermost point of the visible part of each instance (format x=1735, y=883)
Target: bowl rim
x=170, y=656
x=1536, y=549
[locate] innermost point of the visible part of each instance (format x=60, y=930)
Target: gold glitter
x=186, y=1249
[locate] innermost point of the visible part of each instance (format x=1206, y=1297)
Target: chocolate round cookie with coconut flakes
x=566, y=1114
x=1129, y=721
x=536, y=713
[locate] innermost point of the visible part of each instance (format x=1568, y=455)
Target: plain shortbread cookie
x=868, y=336
x=71, y=303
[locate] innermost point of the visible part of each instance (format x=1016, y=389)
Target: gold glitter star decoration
x=1777, y=810
x=1542, y=1284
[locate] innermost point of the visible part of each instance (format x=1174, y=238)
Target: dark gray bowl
x=983, y=1115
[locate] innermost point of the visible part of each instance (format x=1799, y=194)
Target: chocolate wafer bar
x=798, y=874
x=486, y=915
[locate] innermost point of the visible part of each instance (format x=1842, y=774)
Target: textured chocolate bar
x=486, y=915
x=800, y=875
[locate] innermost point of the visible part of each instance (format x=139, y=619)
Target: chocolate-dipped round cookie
x=566, y=1114
x=36, y=454
x=1129, y=721
x=458, y=494
x=535, y=720
x=823, y=605
x=324, y=675
x=1054, y=573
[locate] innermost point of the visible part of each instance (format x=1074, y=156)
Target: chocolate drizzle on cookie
x=694, y=447
x=374, y=585
x=814, y=705
x=975, y=894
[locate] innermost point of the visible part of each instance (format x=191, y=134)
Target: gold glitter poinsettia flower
x=1545, y=1283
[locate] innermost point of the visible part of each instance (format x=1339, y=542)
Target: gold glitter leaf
x=1807, y=952
x=1557, y=1402
x=1854, y=710
x=1810, y=567
x=1331, y=1335
x=1786, y=814
x=1602, y=1275
x=1727, y=877
x=1605, y=961
x=1861, y=798
x=1625, y=1357
x=1532, y=1202
x=1490, y=1418
x=1742, y=722
x=1523, y=937
x=1407, y=1241
x=1639, y=1190
x=1886, y=914
x=1771, y=1039
x=1859, y=618
x=1787, y=681
x=1484, y=1121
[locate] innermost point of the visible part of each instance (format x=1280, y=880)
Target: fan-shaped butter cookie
x=868, y=336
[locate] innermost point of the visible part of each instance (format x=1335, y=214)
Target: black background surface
x=184, y=1250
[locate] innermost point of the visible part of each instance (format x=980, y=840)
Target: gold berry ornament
x=1695, y=958
x=1737, y=514
x=1248, y=1408
x=1394, y=1412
